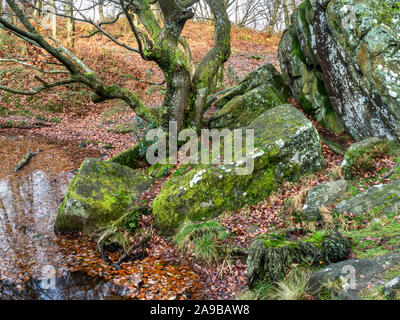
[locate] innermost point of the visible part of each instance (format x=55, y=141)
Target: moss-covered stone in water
x=287, y=146
x=101, y=192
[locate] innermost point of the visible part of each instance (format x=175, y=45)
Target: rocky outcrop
x=384, y=199
x=258, y=92
x=271, y=255
x=323, y=195
x=341, y=60
x=100, y=193
x=288, y=145
x=340, y=274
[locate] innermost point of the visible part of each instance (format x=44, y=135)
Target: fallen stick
x=25, y=160
x=141, y=243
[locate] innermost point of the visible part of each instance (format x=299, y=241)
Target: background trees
x=156, y=27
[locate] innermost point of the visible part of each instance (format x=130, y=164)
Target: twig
x=25, y=160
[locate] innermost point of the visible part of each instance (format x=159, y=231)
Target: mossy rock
x=100, y=193
x=266, y=74
x=133, y=157
x=345, y=72
x=361, y=155
x=271, y=255
x=160, y=170
x=244, y=107
x=381, y=199
x=322, y=195
x=287, y=145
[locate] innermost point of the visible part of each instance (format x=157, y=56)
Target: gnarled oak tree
x=187, y=87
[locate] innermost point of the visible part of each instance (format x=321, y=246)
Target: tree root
x=128, y=253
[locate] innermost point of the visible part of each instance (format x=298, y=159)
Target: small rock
x=392, y=286
x=352, y=275
x=323, y=195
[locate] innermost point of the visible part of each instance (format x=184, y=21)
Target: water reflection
x=28, y=206
x=29, y=201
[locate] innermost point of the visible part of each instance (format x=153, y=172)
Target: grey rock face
x=288, y=145
x=390, y=287
x=350, y=68
x=356, y=275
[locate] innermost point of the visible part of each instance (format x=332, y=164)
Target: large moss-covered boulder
x=341, y=60
x=384, y=199
x=101, y=192
x=271, y=255
x=259, y=91
x=287, y=145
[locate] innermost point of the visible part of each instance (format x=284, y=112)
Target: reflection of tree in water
x=28, y=206
x=27, y=243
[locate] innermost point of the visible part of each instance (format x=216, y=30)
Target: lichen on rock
x=258, y=92
x=100, y=193
x=286, y=146
x=341, y=60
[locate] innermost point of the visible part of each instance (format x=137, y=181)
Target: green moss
x=130, y=158
x=217, y=188
x=101, y=192
x=297, y=52
x=280, y=240
x=364, y=159
x=159, y=170
x=380, y=237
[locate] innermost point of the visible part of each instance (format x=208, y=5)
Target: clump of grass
x=203, y=240
x=293, y=287
x=335, y=173
x=262, y=291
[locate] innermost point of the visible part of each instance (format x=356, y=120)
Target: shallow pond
x=32, y=266
x=37, y=264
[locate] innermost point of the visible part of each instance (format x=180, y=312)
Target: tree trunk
x=286, y=13
x=54, y=19
x=274, y=17
x=101, y=11
x=36, y=9
x=70, y=23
